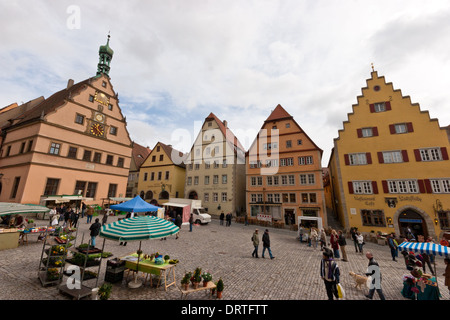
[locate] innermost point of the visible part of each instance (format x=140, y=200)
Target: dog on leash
x=359, y=280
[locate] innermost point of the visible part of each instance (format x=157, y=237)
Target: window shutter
x=359, y=132
x=368, y=158
x=417, y=155
x=375, y=131
x=387, y=104
x=385, y=186
x=380, y=157
x=347, y=160
x=350, y=187
x=421, y=184
x=374, y=187
x=392, y=128
x=444, y=153
x=372, y=107
x=428, y=187
x=409, y=126
x=405, y=156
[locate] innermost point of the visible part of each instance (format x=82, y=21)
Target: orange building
x=284, y=174
x=73, y=142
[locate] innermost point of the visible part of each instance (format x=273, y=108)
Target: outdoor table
x=149, y=267
x=210, y=285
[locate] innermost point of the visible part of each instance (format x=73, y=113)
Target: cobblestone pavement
x=225, y=252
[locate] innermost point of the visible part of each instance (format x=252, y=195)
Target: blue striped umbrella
x=426, y=247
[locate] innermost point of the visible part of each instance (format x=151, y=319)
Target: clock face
x=97, y=129
x=99, y=117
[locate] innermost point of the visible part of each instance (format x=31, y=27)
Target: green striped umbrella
x=137, y=229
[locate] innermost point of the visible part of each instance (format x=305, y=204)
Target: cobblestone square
x=225, y=252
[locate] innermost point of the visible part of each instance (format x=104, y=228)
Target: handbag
x=341, y=292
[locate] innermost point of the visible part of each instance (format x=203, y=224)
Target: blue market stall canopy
x=135, y=205
x=7, y=208
x=426, y=247
x=138, y=228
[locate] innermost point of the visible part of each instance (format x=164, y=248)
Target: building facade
x=284, y=174
x=73, y=142
x=162, y=175
x=389, y=168
x=139, y=154
x=215, y=169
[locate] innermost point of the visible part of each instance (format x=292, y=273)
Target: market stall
x=9, y=234
x=138, y=228
x=419, y=285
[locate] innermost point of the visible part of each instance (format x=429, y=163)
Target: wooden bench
x=210, y=286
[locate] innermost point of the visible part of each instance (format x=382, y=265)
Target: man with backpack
x=329, y=272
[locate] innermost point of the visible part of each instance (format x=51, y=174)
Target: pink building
x=73, y=142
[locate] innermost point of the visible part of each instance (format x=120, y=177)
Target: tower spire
x=105, y=56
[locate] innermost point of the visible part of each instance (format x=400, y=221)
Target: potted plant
x=185, y=281
x=219, y=288
x=197, y=277
x=166, y=258
x=206, y=278
x=104, y=292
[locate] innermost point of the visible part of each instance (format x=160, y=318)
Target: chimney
x=225, y=123
x=70, y=83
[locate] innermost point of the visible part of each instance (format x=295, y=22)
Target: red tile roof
x=140, y=153
x=278, y=114
x=230, y=136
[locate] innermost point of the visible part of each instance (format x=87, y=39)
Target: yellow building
x=389, y=168
x=284, y=174
x=162, y=174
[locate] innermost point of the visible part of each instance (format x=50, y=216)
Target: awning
x=7, y=208
x=426, y=247
x=66, y=198
x=171, y=204
x=119, y=199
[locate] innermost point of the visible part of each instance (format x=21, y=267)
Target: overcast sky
x=176, y=61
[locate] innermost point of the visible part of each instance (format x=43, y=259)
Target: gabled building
x=284, y=174
x=162, y=174
x=215, y=169
x=139, y=154
x=389, y=168
x=73, y=142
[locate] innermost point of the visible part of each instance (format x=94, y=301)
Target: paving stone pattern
x=225, y=252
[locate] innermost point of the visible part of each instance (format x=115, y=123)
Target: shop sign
x=410, y=198
x=368, y=201
x=264, y=217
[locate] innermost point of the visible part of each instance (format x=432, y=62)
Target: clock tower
x=105, y=56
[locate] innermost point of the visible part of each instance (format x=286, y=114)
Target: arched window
x=164, y=195
x=149, y=195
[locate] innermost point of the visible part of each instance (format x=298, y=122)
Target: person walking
x=105, y=217
x=314, y=237
x=427, y=261
x=393, y=246
x=301, y=232
x=89, y=215
x=95, y=230
x=342, y=243
x=255, y=240
x=375, y=272
x=222, y=217
x=266, y=244
x=67, y=216
x=75, y=216
x=191, y=222
x=83, y=209
x=178, y=223
x=329, y=272
x=323, y=239
x=360, y=239
x=353, y=231
x=334, y=240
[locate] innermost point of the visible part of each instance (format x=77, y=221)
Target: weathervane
x=372, y=67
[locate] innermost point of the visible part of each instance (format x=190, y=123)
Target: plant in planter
x=206, y=278
x=166, y=258
x=186, y=279
x=52, y=274
x=104, y=292
x=197, y=277
x=219, y=288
